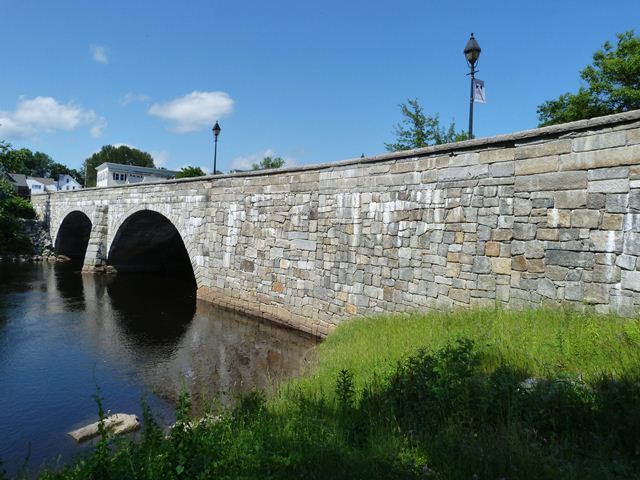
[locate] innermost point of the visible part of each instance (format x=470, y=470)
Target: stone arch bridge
x=548, y=216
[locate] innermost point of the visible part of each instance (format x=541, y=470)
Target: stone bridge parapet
x=545, y=216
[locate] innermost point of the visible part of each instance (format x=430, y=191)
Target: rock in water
x=118, y=423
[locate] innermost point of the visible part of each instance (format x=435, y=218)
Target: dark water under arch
x=73, y=236
x=148, y=242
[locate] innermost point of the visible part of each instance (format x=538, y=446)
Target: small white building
x=67, y=182
x=111, y=174
x=39, y=185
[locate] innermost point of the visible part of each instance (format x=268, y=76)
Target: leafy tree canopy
x=35, y=164
x=612, y=85
x=13, y=240
x=417, y=130
x=268, y=162
x=6, y=191
x=123, y=155
x=190, y=172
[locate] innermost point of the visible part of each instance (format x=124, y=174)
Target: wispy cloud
x=33, y=116
x=245, y=162
x=160, y=158
x=194, y=111
x=99, y=53
x=131, y=97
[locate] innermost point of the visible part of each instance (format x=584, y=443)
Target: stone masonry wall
x=546, y=216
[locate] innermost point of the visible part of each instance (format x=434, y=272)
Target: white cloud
x=33, y=116
x=194, y=111
x=160, y=159
x=131, y=97
x=96, y=129
x=99, y=53
x=246, y=162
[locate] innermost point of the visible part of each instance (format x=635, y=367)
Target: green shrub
x=13, y=240
x=18, y=207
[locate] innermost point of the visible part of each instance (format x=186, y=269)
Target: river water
x=64, y=334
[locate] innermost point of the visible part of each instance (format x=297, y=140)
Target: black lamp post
x=472, y=53
x=216, y=131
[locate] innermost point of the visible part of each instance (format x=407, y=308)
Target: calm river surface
x=63, y=334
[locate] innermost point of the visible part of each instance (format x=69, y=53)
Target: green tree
x=123, y=155
x=56, y=169
x=26, y=162
x=13, y=240
x=612, y=85
x=5, y=147
x=417, y=130
x=35, y=164
x=190, y=171
x=268, y=162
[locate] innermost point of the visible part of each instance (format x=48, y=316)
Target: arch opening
x=73, y=236
x=147, y=242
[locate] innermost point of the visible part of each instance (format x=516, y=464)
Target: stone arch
x=58, y=217
x=72, y=235
x=149, y=240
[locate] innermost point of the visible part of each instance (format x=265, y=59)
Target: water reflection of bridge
x=155, y=329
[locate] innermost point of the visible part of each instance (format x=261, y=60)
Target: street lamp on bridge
x=472, y=53
x=216, y=131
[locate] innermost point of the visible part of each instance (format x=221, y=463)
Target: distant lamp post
x=216, y=131
x=472, y=53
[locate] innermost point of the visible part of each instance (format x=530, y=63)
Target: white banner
x=478, y=91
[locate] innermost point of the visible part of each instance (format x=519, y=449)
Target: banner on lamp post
x=478, y=91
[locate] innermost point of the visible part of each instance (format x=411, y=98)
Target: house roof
x=44, y=181
x=18, y=179
x=65, y=175
x=161, y=172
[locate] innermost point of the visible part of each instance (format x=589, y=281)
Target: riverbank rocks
x=548, y=216
x=38, y=233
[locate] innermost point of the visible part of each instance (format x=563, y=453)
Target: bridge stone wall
x=546, y=216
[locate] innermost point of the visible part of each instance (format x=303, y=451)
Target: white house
x=67, y=182
x=111, y=174
x=39, y=185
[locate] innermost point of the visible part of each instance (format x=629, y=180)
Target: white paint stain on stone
x=611, y=242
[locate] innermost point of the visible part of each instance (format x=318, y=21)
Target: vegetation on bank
x=13, y=239
x=469, y=395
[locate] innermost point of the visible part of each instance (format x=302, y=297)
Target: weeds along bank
x=480, y=394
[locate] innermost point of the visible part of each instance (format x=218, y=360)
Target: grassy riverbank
x=470, y=395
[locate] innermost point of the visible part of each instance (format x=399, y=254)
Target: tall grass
x=541, y=394
x=544, y=342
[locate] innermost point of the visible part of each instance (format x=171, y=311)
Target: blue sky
x=309, y=81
